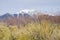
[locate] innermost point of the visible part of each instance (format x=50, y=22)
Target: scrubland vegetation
x=44, y=30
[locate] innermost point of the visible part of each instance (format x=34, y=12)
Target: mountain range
x=28, y=16
x=28, y=13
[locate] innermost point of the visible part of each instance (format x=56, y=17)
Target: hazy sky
x=14, y=6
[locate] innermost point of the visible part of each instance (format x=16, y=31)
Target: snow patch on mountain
x=36, y=12
x=28, y=11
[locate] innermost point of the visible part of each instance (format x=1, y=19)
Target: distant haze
x=14, y=6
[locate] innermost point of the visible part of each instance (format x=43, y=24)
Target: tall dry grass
x=44, y=30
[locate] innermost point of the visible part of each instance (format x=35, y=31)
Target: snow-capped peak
x=26, y=11
x=36, y=12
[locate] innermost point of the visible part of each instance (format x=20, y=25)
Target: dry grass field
x=44, y=30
